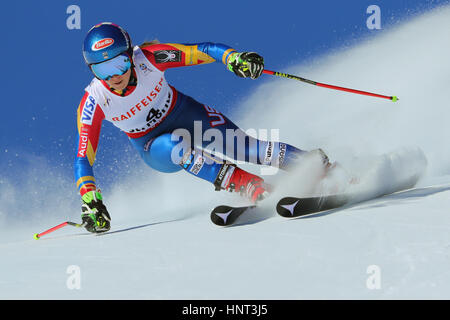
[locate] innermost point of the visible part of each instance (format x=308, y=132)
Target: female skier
x=130, y=90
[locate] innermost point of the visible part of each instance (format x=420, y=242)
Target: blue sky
x=45, y=75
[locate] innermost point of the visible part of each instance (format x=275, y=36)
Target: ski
x=227, y=215
x=290, y=207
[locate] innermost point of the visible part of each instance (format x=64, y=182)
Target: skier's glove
x=94, y=215
x=246, y=64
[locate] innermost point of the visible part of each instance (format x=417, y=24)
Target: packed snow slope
x=162, y=244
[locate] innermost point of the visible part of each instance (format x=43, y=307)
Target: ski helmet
x=105, y=41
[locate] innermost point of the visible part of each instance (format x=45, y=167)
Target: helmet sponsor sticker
x=102, y=44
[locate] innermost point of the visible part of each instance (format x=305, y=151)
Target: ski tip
x=286, y=207
x=36, y=236
x=220, y=214
x=394, y=98
x=226, y=216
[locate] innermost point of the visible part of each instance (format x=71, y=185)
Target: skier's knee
x=161, y=154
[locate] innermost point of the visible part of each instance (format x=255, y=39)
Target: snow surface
x=161, y=248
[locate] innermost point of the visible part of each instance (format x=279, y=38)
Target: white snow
x=175, y=252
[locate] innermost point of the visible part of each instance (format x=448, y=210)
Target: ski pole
x=59, y=226
x=329, y=86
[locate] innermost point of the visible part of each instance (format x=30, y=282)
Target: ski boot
x=324, y=158
x=333, y=169
x=234, y=179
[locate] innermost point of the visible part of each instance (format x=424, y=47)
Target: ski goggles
x=116, y=66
